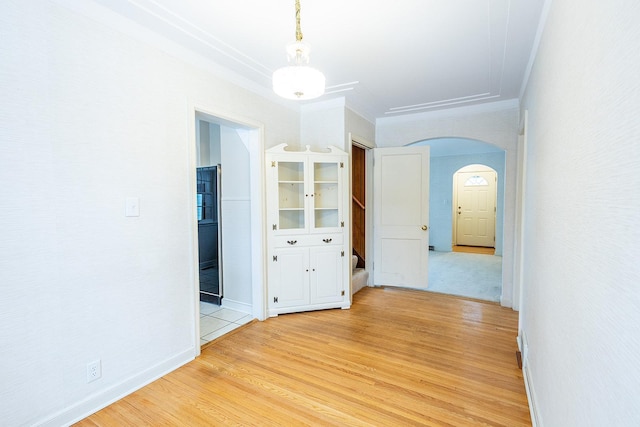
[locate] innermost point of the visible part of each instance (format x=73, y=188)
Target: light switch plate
x=132, y=206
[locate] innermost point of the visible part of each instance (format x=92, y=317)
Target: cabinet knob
x=292, y=242
x=424, y=227
x=327, y=240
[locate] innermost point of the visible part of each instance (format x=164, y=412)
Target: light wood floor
x=396, y=358
x=474, y=250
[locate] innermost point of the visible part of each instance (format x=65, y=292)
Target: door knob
x=424, y=227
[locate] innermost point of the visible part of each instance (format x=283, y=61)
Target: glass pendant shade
x=298, y=81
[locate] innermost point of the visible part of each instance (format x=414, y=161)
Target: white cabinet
x=327, y=284
x=307, y=207
x=289, y=278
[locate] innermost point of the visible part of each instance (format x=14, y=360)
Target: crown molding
x=509, y=104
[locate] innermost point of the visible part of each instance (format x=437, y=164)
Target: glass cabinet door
x=291, y=195
x=326, y=197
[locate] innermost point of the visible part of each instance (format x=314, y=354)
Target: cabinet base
x=274, y=312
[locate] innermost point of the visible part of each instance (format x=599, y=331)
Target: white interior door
x=401, y=216
x=476, y=209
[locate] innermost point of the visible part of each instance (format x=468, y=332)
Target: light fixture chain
x=298, y=31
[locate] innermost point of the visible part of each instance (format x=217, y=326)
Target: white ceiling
x=386, y=58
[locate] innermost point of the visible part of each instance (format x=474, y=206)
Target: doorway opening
x=470, y=269
x=359, y=217
x=450, y=271
x=228, y=226
x=358, y=204
x=209, y=208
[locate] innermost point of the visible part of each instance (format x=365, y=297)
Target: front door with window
x=476, y=208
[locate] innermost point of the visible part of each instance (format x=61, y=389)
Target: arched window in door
x=476, y=181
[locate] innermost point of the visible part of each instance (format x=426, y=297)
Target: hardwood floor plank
x=397, y=357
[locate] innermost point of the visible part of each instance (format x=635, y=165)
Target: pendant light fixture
x=298, y=80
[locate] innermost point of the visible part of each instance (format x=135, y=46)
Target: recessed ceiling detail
x=389, y=59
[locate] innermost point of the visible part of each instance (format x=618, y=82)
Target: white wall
x=359, y=127
x=215, y=144
x=208, y=147
x=203, y=144
x=236, y=219
x=495, y=123
x=90, y=116
x=581, y=299
x=323, y=124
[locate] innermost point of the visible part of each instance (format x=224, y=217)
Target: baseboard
x=531, y=395
x=237, y=306
x=104, y=398
x=523, y=347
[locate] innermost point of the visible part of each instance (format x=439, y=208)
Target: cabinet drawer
x=308, y=240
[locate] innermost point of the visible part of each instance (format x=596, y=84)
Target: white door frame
x=519, y=252
x=258, y=209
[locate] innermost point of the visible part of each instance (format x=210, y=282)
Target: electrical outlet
x=94, y=370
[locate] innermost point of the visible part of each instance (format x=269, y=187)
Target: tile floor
x=216, y=321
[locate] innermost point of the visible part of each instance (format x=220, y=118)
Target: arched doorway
x=477, y=278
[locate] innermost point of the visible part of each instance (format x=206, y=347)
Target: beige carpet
x=466, y=274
